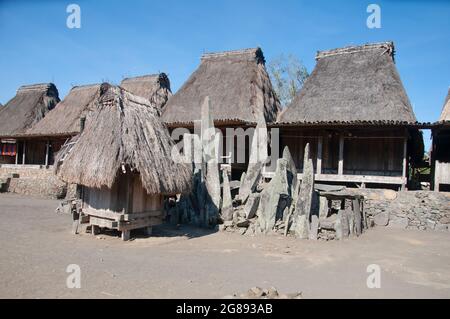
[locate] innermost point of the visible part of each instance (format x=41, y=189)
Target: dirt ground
x=37, y=247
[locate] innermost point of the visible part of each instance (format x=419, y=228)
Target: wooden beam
x=47, y=146
x=319, y=155
x=17, y=152
x=404, y=167
x=341, y=155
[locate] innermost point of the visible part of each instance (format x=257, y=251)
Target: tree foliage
x=287, y=74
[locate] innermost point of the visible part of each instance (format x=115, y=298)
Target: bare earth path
x=36, y=247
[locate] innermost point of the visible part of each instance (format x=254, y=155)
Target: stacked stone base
x=34, y=181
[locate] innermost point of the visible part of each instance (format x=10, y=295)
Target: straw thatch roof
x=64, y=119
x=356, y=84
x=124, y=131
x=30, y=105
x=155, y=88
x=445, y=115
x=238, y=87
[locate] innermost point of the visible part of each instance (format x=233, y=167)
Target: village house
x=240, y=93
x=30, y=104
x=124, y=162
x=354, y=113
x=440, y=152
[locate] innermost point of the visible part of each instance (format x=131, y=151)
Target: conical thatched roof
x=155, y=88
x=30, y=105
x=64, y=119
x=124, y=129
x=352, y=85
x=445, y=115
x=237, y=84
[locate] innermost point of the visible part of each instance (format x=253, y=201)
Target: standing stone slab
x=258, y=157
x=212, y=180
x=270, y=206
x=227, y=204
x=251, y=206
x=305, y=198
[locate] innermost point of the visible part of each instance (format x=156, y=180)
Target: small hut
x=239, y=91
x=357, y=118
x=124, y=161
x=440, y=153
x=154, y=87
x=29, y=106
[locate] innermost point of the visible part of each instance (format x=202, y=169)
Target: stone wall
x=423, y=210
x=32, y=180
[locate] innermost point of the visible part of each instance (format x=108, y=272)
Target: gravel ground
x=37, y=247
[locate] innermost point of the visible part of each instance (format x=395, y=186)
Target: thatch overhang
x=352, y=84
x=154, y=87
x=30, y=104
x=125, y=131
x=64, y=119
x=237, y=85
x=445, y=114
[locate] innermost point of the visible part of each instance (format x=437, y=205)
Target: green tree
x=287, y=74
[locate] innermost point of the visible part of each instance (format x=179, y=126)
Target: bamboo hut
x=239, y=90
x=124, y=162
x=155, y=88
x=440, y=153
x=357, y=118
x=29, y=106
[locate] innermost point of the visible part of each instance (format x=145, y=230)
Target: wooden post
x=357, y=214
x=341, y=155
x=17, y=153
x=47, y=146
x=23, y=153
x=405, y=154
x=319, y=155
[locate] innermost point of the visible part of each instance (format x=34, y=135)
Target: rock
x=381, y=219
x=314, y=227
x=272, y=292
x=210, y=143
x=431, y=224
x=228, y=223
x=305, y=197
x=445, y=220
x=256, y=292
x=258, y=157
x=271, y=205
x=401, y=223
x=242, y=222
x=441, y=227
x=251, y=206
x=227, y=204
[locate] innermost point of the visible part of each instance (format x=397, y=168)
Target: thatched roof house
x=238, y=87
x=354, y=112
x=124, y=131
x=355, y=84
x=64, y=119
x=155, y=88
x=29, y=106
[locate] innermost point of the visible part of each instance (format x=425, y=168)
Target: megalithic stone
x=271, y=205
x=227, y=204
x=291, y=171
x=210, y=164
x=305, y=197
x=258, y=157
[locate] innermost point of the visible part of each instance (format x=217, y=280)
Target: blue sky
x=128, y=38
